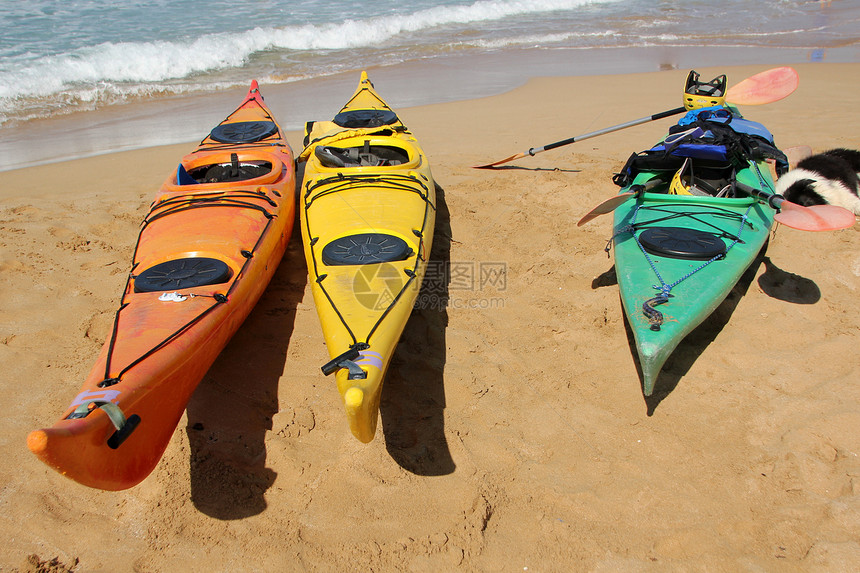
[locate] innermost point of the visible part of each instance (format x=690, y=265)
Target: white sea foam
x=536, y=40
x=59, y=56
x=26, y=75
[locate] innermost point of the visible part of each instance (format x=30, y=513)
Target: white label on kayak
x=172, y=297
x=368, y=358
x=95, y=395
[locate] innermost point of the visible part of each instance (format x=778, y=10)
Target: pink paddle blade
x=766, y=87
x=815, y=218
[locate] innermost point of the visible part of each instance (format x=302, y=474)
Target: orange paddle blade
x=765, y=87
x=605, y=207
x=505, y=160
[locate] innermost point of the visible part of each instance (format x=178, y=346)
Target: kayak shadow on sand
x=605, y=279
x=685, y=355
x=413, y=396
x=695, y=343
x=783, y=285
x=232, y=408
x=521, y=168
x=774, y=282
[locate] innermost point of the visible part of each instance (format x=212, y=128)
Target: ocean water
x=61, y=57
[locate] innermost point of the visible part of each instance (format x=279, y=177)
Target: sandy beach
x=514, y=433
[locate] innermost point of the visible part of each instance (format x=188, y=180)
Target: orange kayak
x=207, y=249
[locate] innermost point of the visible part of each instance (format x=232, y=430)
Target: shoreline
x=173, y=119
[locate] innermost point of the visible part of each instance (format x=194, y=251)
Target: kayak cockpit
x=368, y=154
x=247, y=168
x=228, y=172
x=688, y=177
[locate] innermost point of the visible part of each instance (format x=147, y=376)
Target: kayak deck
x=677, y=257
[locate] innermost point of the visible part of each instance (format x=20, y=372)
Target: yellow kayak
x=368, y=209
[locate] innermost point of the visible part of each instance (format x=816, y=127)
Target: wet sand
x=456, y=77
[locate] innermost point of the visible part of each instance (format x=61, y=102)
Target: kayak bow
x=207, y=249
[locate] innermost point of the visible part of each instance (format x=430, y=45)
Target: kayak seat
x=233, y=171
x=243, y=131
x=713, y=177
x=703, y=179
x=365, y=249
x=682, y=243
x=365, y=156
x=182, y=274
x=334, y=157
x=359, y=118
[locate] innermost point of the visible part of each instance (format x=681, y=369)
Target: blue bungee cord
x=655, y=317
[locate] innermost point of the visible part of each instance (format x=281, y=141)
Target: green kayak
x=687, y=234
x=661, y=264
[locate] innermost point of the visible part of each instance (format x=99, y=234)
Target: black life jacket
x=714, y=138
